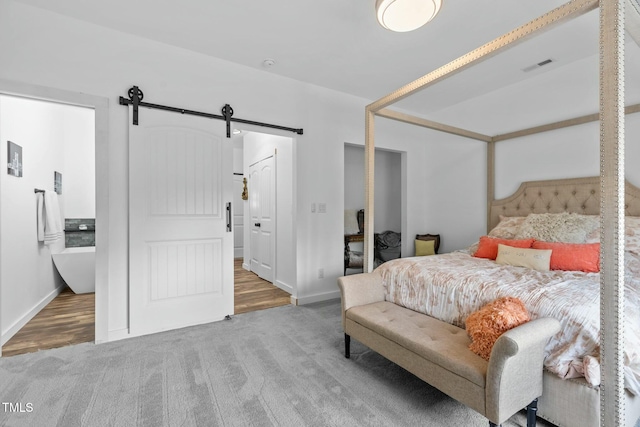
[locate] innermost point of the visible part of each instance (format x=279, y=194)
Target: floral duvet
x=451, y=286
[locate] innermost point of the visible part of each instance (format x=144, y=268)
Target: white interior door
x=262, y=207
x=181, y=247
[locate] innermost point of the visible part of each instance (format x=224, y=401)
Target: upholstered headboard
x=580, y=195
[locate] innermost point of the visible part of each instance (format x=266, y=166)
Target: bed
x=451, y=286
x=580, y=403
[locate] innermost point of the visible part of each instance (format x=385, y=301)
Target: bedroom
x=84, y=57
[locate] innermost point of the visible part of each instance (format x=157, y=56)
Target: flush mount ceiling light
x=406, y=15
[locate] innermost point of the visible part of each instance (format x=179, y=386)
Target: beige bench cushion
x=441, y=343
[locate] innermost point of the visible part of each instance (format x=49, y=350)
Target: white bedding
x=451, y=286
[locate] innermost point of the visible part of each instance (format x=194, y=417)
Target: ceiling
x=338, y=44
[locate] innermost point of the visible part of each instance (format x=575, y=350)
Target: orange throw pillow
x=572, y=256
x=488, y=246
x=486, y=325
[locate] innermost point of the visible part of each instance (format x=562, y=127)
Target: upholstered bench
x=438, y=352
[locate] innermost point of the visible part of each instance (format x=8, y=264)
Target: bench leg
x=532, y=409
x=347, y=346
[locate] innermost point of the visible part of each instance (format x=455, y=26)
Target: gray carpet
x=284, y=366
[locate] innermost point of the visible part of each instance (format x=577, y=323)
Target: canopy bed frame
x=611, y=182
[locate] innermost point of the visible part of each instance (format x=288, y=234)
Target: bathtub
x=77, y=266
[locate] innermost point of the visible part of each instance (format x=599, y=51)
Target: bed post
x=369, y=157
x=491, y=179
x=612, y=211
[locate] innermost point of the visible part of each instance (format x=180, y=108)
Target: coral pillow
x=572, y=256
x=486, y=325
x=488, y=246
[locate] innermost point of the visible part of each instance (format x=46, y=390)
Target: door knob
x=257, y=224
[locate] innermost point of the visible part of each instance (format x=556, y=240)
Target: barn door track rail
x=136, y=95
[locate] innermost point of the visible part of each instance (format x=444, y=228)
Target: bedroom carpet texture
x=279, y=367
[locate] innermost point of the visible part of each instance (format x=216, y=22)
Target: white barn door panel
x=181, y=249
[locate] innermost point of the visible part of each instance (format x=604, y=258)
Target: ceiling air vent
x=538, y=65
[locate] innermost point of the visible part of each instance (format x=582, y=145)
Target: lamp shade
x=406, y=15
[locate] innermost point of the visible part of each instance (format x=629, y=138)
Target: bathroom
x=53, y=146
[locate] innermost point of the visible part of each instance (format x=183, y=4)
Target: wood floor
x=70, y=318
x=252, y=293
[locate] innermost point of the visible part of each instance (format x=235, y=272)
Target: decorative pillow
x=573, y=256
x=594, y=235
x=507, y=227
x=486, y=325
x=425, y=247
x=488, y=246
x=632, y=234
x=351, y=222
x=537, y=259
x=558, y=227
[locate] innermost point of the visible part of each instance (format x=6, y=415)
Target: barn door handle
x=257, y=224
x=229, y=216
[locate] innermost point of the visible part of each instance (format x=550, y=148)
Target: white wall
x=79, y=176
x=238, y=203
x=565, y=153
x=27, y=278
x=258, y=146
x=388, y=186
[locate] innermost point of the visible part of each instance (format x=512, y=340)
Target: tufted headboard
x=580, y=195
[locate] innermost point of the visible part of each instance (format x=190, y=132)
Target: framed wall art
x=57, y=182
x=14, y=159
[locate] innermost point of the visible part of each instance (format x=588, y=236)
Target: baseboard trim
x=19, y=324
x=287, y=288
x=326, y=296
x=246, y=266
x=118, y=334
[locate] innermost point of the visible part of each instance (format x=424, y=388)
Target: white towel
x=40, y=214
x=49, y=218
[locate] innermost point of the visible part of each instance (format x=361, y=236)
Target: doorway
x=267, y=161
x=57, y=152
x=390, y=184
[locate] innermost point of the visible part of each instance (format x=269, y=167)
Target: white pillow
x=351, y=221
x=537, y=259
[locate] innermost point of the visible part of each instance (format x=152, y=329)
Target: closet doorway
x=389, y=199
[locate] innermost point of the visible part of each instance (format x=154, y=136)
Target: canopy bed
x=567, y=402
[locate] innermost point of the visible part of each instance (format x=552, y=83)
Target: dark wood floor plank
x=70, y=318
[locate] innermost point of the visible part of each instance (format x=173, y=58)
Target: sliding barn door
x=180, y=239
